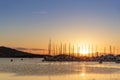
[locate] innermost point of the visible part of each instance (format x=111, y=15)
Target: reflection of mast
x=49, y=47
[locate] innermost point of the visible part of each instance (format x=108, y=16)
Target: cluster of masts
x=72, y=50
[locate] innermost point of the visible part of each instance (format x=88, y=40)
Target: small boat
x=11, y=60
x=117, y=59
x=100, y=62
x=21, y=59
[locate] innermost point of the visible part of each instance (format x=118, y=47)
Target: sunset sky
x=30, y=23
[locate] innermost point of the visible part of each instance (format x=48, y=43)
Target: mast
x=92, y=51
x=78, y=51
x=64, y=49
x=49, y=47
x=110, y=49
x=73, y=50
x=56, y=50
x=117, y=51
x=61, y=48
x=69, y=49
x=114, y=52
x=104, y=50
x=89, y=50
x=96, y=51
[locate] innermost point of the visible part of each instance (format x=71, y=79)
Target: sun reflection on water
x=83, y=74
x=83, y=70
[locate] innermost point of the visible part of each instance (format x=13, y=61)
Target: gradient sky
x=30, y=23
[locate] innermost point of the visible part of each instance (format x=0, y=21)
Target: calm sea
x=35, y=69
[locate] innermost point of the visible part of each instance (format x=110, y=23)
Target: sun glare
x=84, y=50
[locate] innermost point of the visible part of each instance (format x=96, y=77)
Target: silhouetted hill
x=9, y=52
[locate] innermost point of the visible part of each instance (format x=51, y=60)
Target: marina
x=59, y=39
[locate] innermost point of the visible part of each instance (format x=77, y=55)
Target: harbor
x=69, y=53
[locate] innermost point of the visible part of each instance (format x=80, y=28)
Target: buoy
x=11, y=60
x=21, y=59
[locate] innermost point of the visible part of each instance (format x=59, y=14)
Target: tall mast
x=110, y=49
x=117, y=51
x=73, y=50
x=104, y=50
x=49, y=47
x=92, y=51
x=89, y=50
x=69, y=49
x=114, y=51
x=65, y=48
x=61, y=47
x=56, y=51
x=96, y=51
x=78, y=50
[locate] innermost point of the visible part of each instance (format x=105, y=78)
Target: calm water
x=35, y=69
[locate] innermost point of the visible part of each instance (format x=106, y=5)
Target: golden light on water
x=82, y=74
x=83, y=70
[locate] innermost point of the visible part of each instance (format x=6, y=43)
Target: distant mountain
x=6, y=52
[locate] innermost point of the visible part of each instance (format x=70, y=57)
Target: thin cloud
x=32, y=49
x=20, y=48
x=40, y=13
x=35, y=49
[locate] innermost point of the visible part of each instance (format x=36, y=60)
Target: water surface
x=35, y=69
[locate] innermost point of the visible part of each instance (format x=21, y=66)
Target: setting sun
x=84, y=52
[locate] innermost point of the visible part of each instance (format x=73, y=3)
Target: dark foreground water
x=35, y=69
